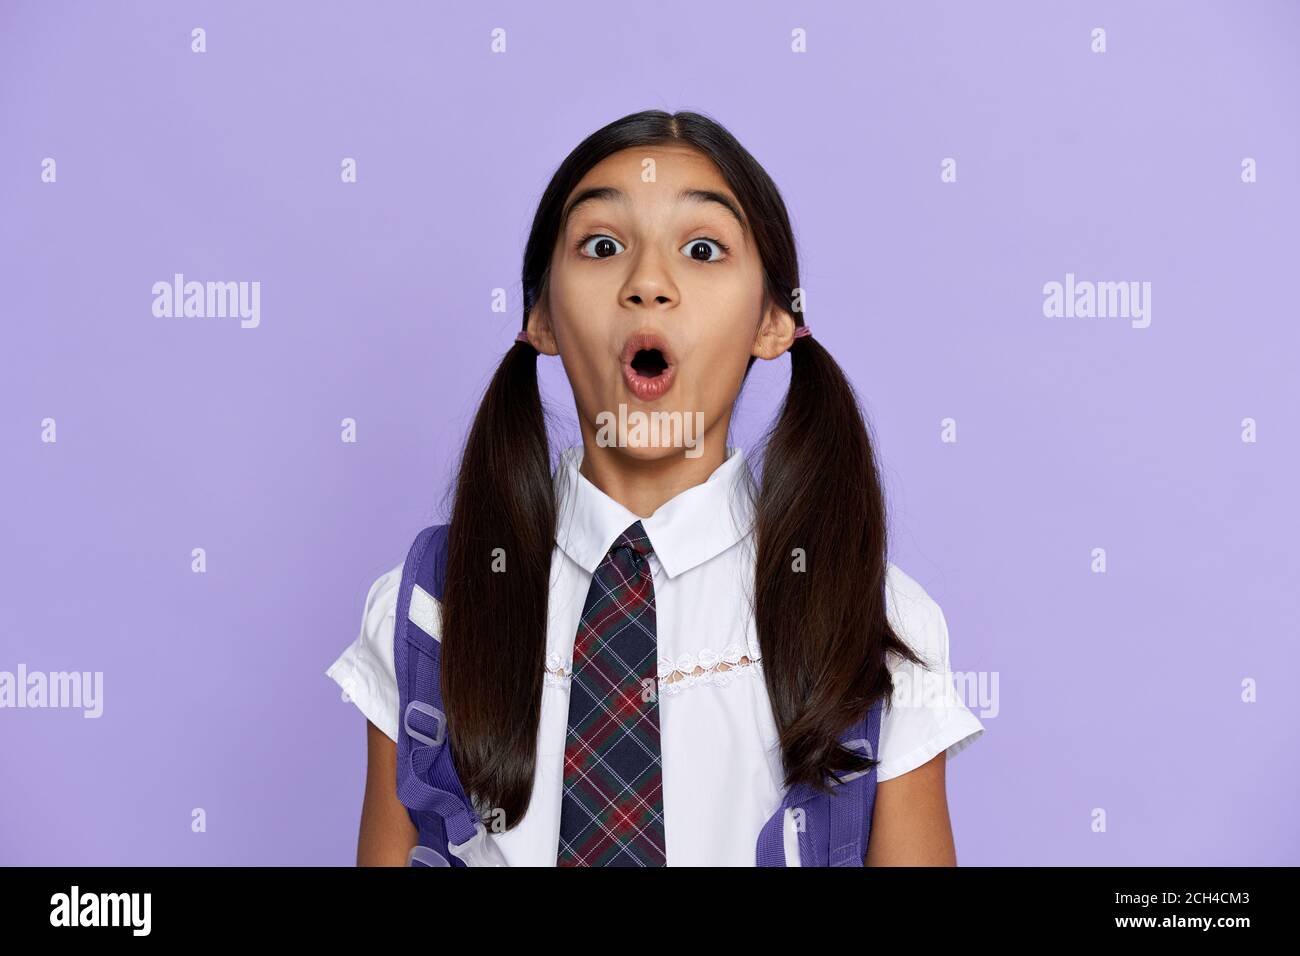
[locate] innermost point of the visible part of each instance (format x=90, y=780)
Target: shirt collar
x=685, y=531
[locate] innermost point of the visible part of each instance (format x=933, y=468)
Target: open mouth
x=648, y=366
x=649, y=362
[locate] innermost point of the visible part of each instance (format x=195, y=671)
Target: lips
x=648, y=366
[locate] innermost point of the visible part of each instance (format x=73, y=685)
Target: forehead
x=670, y=163
x=682, y=175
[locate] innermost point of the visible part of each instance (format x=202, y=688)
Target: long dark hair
x=822, y=628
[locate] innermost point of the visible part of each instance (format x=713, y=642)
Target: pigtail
x=819, y=598
x=494, y=608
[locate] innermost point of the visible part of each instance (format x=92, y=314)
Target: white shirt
x=721, y=764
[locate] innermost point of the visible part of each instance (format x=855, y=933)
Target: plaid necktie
x=612, y=810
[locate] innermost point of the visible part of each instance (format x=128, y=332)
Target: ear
x=540, y=332
x=775, y=333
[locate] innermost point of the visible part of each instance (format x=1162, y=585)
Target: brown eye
x=602, y=247
x=700, y=251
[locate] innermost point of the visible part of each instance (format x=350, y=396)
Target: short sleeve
x=926, y=714
x=365, y=669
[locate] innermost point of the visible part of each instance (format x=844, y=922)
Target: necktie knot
x=636, y=539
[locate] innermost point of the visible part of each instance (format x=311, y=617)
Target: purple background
x=1120, y=691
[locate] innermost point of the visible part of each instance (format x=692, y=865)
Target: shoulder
x=926, y=713
x=426, y=560
x=381, y=602
x=365, y=670
x=916, y=618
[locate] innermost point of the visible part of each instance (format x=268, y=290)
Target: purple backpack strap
x=450, y=831
x=831, y=829
x=835, y=829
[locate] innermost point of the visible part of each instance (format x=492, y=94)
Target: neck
x=642, y=484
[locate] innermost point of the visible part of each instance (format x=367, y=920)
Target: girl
x=643, y=649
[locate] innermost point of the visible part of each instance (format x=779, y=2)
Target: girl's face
x=656, y=302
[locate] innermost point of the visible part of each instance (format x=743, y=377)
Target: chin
x=644, y=433
x=645, y=455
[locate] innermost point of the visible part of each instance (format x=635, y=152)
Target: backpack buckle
x=480, y=849
x=426, y=856
x=430, y=711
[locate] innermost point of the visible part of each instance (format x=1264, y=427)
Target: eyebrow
x=614, y=194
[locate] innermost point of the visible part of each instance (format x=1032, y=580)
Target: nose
x=650, y=282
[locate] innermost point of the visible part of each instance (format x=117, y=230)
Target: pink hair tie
x=522, y=337
x=801, y=331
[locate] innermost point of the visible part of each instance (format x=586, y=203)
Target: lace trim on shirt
x=707, y=667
